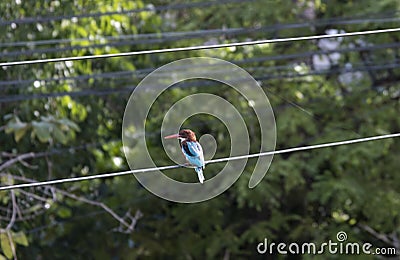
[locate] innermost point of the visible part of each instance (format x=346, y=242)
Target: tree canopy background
x=60, y=120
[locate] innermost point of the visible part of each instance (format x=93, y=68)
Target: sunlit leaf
x=20, y=238
x=15, y=125
x=42, y=130
x=70, y=124
x=18, y=134
x=64, y=212
x=5, y=245
x=59, y=135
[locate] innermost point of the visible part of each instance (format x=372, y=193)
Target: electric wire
x=173, y=36
x=129, y=88
x=220, y=160
x=149, y=8
x=138, y=72
x=173, y=7
x=119, y=77
x=199, y=47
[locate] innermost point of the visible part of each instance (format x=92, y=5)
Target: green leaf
x=34, y=208
x=48, y=118
x=20, y=238
x=6, y=179
x=2, y=257
x=64, y=212
x=59, y=135
x=18, y=134
x=5, y=199
x=42, y=130
x=5, y=245
x=70, y=124
x=15, y=125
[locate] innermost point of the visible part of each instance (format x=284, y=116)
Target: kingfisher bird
x=192, y=150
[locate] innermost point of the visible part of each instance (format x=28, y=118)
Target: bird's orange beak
x=171, y=136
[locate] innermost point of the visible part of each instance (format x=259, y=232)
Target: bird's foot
x=188, y=165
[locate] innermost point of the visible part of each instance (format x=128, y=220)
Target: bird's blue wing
x=195, y=148
x=195, y=155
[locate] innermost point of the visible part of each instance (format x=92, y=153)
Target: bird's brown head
x=189, y=135
x=183, y=135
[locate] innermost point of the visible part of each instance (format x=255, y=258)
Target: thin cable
x=199, y=47
x=150, y=8
x=145, y=36
x=123, y=77
x=226, y=159
x=164, y=36
x=304, y=148
x=131, y=42
x=130, y=88
x=139, y=72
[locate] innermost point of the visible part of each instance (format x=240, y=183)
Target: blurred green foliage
x=305, y=197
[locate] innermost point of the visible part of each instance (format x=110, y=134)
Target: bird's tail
x=199, y=171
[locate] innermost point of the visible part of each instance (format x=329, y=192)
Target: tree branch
x=128, y=225
x=14, y=211
x=4, y=209
x=378, y=235
x=395, y=240
x=49, y=167
x=20, y=158
x=11, y=244
x=30, y=194
x=226, y=255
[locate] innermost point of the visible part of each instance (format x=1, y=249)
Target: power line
x=226, y=159
x=28, y=20
x=138, y=72
x=170, y=36
x=99, y=92
x=304, y=148
x=12, y=159
x=130, y=88
x=150, y=8
x=199, y=47
x=145, y=36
